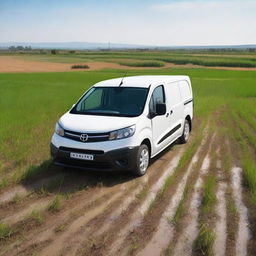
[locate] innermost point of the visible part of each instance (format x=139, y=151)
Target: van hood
x=95, y=123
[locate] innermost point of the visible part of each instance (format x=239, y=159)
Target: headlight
x=59, y=130
x=122, y=133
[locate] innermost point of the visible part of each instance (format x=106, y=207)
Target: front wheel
x=142, y=160
x=185, y=135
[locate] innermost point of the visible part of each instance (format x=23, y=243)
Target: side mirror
x=160, y=109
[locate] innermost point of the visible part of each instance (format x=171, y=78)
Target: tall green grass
x=142, y=64
x=30, y=105
x=204, y=58
x=249, y=171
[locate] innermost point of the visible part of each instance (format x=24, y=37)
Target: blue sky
x=148, y=22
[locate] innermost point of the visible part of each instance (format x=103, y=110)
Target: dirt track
x=116, y=214
x=11, y=64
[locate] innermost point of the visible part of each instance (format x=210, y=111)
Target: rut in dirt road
x=46, y=232
x=243, y=224
x=184, y=244
x=164, y=233
x=23, y=190
x=74, y=242
x=58, y=243
x=77, y=239
x=219, y=246
x=137, y=217
x=20, y=215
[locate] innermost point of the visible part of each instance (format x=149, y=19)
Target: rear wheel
x=185, y=135
x=142, y=160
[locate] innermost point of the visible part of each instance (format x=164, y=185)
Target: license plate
x=81, y=156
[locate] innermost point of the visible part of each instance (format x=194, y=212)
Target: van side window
x=157, y=97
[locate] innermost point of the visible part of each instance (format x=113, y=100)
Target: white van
x=122, y=123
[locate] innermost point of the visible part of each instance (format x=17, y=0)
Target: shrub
x=53, y=51
x=78, y=66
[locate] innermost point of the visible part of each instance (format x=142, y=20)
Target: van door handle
x=171, y=112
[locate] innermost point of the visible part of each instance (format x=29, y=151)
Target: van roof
x=140, y=81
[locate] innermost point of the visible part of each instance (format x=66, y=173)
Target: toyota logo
x=84, y=137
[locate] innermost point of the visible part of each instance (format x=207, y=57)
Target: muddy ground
x=118, y=214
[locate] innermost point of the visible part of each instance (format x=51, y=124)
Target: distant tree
x=54, y=51
x=20, y=48
x=12, y=48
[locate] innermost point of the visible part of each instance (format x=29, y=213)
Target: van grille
x=85, y=151
x=92, y=137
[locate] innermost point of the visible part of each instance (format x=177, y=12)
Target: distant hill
x=74, y=45
x=96, y=46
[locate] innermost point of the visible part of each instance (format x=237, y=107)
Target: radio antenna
x=123, y=78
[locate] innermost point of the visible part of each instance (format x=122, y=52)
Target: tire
x=185, y=135
x=142, y=160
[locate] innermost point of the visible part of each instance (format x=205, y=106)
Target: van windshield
x=112, y=101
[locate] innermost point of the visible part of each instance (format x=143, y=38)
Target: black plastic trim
x=188, y=101
x=118, y=159
x=172, y=131
x=78, y=150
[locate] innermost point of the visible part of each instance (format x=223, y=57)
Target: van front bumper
x=118, y=159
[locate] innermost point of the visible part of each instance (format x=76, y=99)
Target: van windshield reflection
x=112, y=101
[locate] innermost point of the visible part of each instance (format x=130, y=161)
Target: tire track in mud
x=58, y=243
x=164, y=233
x=18, y=216
x=219, y=246
x=47, y=231
x=77, y=240
x=136, y=218
x=243, y=233
x=104, y=223
x=23, y=190
x=184, y=244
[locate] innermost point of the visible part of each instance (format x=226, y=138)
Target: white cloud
x=209, y=22
x=187, y=22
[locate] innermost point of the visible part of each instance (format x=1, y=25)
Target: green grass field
x=203, y=58
x=224, y=130
x=30, y=104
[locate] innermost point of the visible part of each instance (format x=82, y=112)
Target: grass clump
x=180, y=209
x=60, y=228
x=203, y=245
x=5, y=231
x=142, y=194
x=79, y=66
x=55, y=205
x=148, y=64
x=16, y=198
x=36, y=216
x=209, y=197
x=249, y=173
